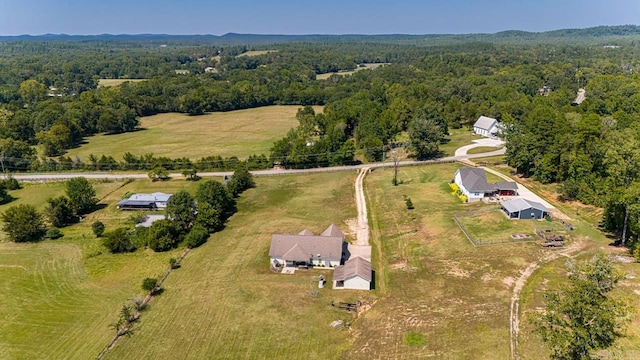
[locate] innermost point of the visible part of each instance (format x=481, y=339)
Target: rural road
x=362, y=235
x=115, y=176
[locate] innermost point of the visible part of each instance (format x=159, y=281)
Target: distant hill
x=597, y=34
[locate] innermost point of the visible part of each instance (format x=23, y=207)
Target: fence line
x=477, y=242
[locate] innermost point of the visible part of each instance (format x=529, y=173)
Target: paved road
x=132, y=175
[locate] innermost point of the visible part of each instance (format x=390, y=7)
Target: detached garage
x=354, y=274
x=524, y=209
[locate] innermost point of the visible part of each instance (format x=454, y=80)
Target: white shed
x=355, y=274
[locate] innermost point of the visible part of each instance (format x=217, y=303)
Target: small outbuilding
x=486, y=126
x=524, y=209
x=355, y=274
x=155, y=201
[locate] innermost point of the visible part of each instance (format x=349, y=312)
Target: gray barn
x=524, y=209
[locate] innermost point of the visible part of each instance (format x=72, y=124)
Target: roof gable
x=355, y=266
x=474, y=180
x=485, y=123
x=156, y=196
x=520, y=204
x=332, y=230
x=305, y=246
x=306, y=232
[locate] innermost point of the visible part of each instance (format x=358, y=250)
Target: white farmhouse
x=486, y=126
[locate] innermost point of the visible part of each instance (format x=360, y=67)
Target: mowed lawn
x=59, y=296
x=225, y=303
x=238, y=133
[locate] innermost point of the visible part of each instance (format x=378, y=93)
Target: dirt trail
x=362, y=234
x=514, y=319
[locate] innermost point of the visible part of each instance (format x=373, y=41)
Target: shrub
x=197, y=236
x=163, y=236
x=53, y=233
x=150, y=285
x=11, y=184
x=23, y=223
x=463, y=198
x=174, y=263
x=97, y=228
x=136, y=218
x=118, y=241
x=409, y=203
x=454, y=187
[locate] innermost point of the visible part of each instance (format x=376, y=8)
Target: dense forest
x=49, y=100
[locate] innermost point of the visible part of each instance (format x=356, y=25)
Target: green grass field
x=456, y=139
x=236, y=133
x=60, y=296
x=432, y=285
x=492, y=226
x=115, y=82
x=224, y=303
x=482, y=149
x=368, y=66
x=256, y=52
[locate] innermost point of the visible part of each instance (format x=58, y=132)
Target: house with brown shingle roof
x=354, y=274
x=307, y=249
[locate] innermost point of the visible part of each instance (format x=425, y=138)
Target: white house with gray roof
x=486, y=126
x=355, y=274
x=307, y=249
x=474, y=185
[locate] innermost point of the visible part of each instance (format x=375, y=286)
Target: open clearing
x=225, y=303
x=492, y=226
x=438, y=285
x=431, y=283
x=256, y=52
x=236, y=133
x=367, y=66
x=115, y=82
x=60, y=296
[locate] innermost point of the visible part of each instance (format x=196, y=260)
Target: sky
x=89, y=17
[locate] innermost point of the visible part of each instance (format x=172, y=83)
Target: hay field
x=59, y=296
x=367, y=66
x=256, y=52
x=116, y=82
x=236, y=133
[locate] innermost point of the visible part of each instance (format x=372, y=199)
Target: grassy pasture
x=60, y=296
x=367, y=66
x=115, y=82
x=456, y=139
x=240, y=133
x=256, y=53
x=439, y=287
x=493, y=226
x=224, y=303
